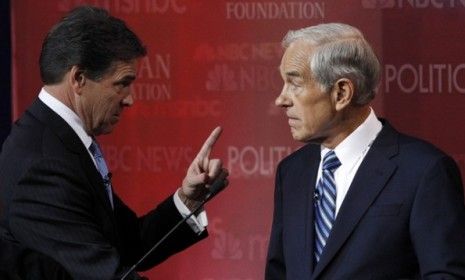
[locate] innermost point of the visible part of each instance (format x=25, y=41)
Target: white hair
x=340, y=51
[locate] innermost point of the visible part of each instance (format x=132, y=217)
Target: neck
x=349, y=120
x=62, y=94
x=66, y=96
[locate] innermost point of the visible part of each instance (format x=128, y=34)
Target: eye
x=294, y=86
x=125, y=83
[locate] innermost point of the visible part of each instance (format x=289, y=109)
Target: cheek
x=315, y=116
x=309, y=122
x=102, y=110
x=111, y=103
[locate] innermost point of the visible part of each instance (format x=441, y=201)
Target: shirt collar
x=68, y=115
x=358, y=141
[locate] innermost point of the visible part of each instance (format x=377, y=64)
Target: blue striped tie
x=102, y=168
x=325, y=203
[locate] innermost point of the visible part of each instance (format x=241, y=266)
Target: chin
x=108, y=130
x=298, y=137
x=103, y=130
x=306, y=138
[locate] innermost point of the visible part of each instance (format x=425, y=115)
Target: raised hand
x=202, y=172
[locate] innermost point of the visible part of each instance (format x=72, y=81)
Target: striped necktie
x=102, y=168
x=325, y=203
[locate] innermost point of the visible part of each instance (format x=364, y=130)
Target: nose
x=128, y=100
x=283, y=99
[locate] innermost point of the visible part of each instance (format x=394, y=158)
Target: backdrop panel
x=215, y=63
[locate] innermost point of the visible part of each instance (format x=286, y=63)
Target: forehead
x=296, y=58
x=120, y=69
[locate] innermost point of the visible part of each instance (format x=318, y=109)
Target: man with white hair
x=360, y=200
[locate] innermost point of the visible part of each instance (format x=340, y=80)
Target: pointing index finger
x=208, y=145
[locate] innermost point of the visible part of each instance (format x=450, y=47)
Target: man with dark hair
x=60, y=218
x=360, y=200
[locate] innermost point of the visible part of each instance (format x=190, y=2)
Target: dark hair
x=90, y=38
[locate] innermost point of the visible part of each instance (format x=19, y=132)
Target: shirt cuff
x=197, y=223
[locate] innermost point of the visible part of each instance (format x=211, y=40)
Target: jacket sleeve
x=53, y=212
x=147, y=230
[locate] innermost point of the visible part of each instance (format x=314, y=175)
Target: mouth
x=291, y=117
x=292, y=122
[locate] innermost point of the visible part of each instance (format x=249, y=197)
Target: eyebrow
x=294, y=74
x=127, y=78
x=291, y=73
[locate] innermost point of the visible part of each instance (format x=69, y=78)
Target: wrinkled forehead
x=122, y=68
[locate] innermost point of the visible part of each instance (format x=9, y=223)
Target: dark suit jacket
x=402, y=218
x=55, y=210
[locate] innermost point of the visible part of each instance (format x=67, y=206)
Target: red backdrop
x=215, y=63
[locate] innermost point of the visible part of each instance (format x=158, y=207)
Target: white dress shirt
x=351, y=152
x=197, y=223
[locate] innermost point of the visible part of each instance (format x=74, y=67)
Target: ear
x=77, y=79
x=343, y=92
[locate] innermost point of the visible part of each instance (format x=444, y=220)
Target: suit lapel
x=96, y=180
x=73, y=143
x=371, y=177
x=307, y=181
